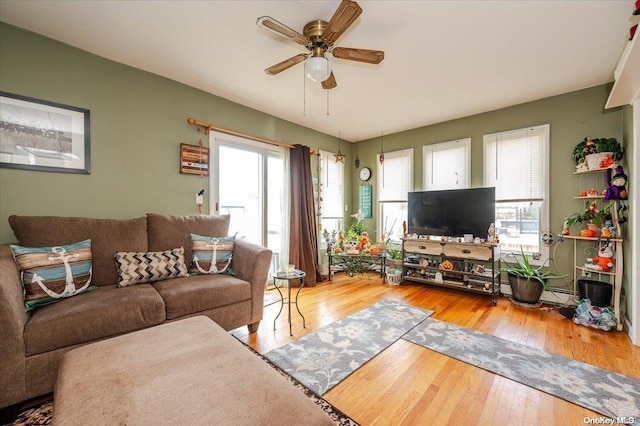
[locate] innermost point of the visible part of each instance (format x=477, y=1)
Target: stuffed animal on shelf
x=350, y=247
x=582, y=166
x=608, y=230
x=491, y=233
x=364, y=241
x=603, y=262
x=617, y=185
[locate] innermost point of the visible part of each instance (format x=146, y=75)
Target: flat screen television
x=452, y=213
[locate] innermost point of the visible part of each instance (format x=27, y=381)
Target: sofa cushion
x=107, y=237
x=102, y=313
x=197, y=293
x=206, y=249
x=147, y=267
x=49, y=274
x=167, y=231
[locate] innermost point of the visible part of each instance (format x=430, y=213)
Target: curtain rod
x=208, y=127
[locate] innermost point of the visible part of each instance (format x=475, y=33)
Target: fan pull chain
x=304, y=94
x=327, y=90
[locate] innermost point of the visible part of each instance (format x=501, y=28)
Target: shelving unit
x=476, y=267
x=613, y=277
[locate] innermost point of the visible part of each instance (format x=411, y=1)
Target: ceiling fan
x=318, y=37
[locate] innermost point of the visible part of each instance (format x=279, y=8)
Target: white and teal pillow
x=212, y=255
x=49, y=274
x=148, y=267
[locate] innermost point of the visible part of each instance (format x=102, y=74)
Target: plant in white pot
x=598, y=153
x=527, y=282
x=394, y=258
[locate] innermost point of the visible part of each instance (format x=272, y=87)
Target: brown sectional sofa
x=31, y=343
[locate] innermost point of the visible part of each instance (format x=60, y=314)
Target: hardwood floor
x=410, y=385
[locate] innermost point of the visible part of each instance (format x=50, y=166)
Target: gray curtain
x=303, y=242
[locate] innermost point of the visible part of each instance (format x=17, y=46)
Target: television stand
x=471, y=267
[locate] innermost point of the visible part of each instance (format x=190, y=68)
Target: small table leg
x=304, y=324
x=289, y=304
x=281, y=303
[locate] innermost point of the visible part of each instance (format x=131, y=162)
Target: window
x=332, y=192
x=447, y=165
x=516, y=163
x=394, y=181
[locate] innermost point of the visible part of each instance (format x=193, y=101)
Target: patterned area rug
x=324, y=358
x=605, y=392
x=40, y=414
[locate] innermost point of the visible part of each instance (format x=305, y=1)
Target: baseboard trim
x=550, y=297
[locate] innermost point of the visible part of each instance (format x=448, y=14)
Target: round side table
x=283, y=276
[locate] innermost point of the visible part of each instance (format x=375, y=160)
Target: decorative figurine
x=617, y=185
x=602, y=262
x=491, y=233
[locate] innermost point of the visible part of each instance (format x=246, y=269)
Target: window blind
x=332, y=181
x=447, y=165
x=395, y=175
x=515, y=163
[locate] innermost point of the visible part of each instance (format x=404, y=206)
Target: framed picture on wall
x=194, y=159
x=43, y=136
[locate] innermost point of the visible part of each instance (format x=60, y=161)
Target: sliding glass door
x=248, y=182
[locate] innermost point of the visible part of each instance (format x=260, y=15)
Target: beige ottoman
x=189, y=372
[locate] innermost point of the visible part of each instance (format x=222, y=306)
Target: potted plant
x=593, y=217
x=527, y=283
x=394, y=258
x=586, y=150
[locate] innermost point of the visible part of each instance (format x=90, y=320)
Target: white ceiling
x=443, y=59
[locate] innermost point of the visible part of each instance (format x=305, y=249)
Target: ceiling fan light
x=317, y=68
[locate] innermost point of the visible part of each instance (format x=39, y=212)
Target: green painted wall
x=571, y=116
x=138, y=121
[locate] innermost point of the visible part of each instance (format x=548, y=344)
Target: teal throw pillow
x=212, y=255
x=49, y=274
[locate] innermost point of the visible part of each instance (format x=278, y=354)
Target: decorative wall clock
x=365, y=174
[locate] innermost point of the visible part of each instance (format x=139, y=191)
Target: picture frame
x=194, y=160
x=40, y=135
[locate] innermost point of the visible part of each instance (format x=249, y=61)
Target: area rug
x=596, y=389
x=40, y=414
x=324, y=358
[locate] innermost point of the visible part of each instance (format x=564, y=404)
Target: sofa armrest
x=13, y=319
x=251, y=263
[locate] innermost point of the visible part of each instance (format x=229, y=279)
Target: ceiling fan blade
x=360, y=55
x=286, y=64
x=345, y=15
x=281, y=29
x=330, y=82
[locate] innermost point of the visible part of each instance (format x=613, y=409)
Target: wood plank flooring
x=410, y=385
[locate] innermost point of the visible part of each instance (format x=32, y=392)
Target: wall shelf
x=627, y=85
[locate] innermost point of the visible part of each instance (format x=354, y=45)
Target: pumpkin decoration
x=446, y=265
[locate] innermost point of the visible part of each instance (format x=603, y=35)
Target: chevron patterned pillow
x=141, y=267
x=49, y=274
